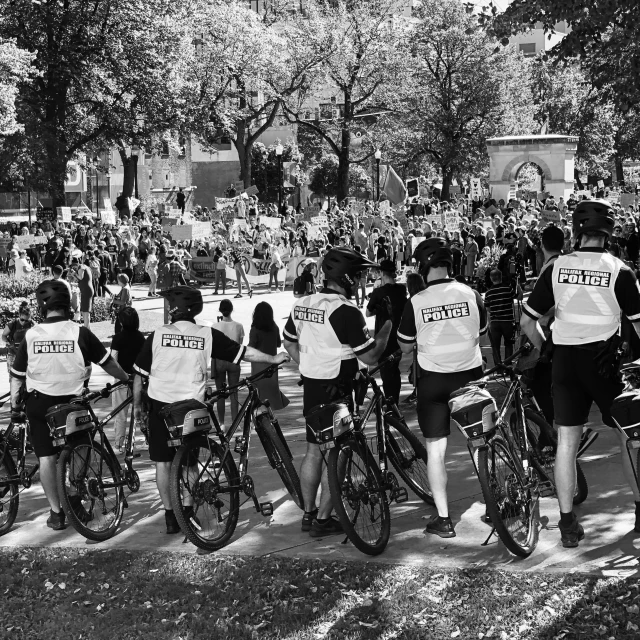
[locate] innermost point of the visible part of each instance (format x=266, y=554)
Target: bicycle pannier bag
x=626, y=412
x=474, y=410
x=328, y=421
x=184, y=418
x=67, y=419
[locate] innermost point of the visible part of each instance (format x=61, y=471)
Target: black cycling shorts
x=434, y=391
x=577, y=385
x=36, y=406
x=159, y=450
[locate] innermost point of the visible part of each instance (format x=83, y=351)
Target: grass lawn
x=72, y=594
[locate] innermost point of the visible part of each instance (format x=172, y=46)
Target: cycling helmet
x=184, y=300
x=53, y=294
x=593, y=215
x=342, y=266
x=431, y=251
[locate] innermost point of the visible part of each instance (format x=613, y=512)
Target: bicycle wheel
x=544, y=461
x=9, y=492
x=409, y=458
x=199, y=479
x=512, y=507
x=279, y=457
x=358, y=496
x=86, y=475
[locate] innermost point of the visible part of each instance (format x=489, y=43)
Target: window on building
x=165, y=148
x=528, y=49
x=183, y=147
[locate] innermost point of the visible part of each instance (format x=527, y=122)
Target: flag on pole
x=394, y=187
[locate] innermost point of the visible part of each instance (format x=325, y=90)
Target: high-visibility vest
x=55, y=364
x=181, y=353
x=321, y=352
x=447, y=322
x=586, y=308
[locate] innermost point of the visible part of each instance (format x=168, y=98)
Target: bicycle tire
x=9, y=496
x=354, y=492
x=416, y=459
x=206, y=492
x=547, y=467
x=279, y=458
x=73, y=458
x=500, y=505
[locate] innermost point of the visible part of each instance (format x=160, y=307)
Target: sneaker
x=78, y=508
x=308, y=518
x=442, y=527
x=329, y=528
x=238, y=295
x=171, y=522
x=412, y=397
x=588, y=438
x=572, y=534
x=56, y=521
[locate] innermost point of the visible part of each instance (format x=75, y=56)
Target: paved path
x=610, y=548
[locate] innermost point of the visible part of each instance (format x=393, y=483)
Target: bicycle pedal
x=266, y=508
x=401, y=495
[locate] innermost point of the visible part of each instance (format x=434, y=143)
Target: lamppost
x=96, y=162
x=378, y=155
x=279, y=151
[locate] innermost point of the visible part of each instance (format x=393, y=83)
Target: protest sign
x=627, y=199
x=320, y=221
x=451, y=220
x=64, y=214
x=549, y=216
x=45, y=213
x=270, y=223
x=312, y=211
x=476, y=190
x=107, y=216
x=29, y=240
x=106, y=204
x=241, y=223
x=384, y=208
x=181, y=232
x=169, y=222
x=434, y=220
x=223, y=203
x=252, y=190
x=600, y=184
x=239, y=186
x=314, y=232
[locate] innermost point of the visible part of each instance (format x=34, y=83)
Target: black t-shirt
x=397, y=293
x=128, y=344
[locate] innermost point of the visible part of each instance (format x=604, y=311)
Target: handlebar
x=87, y=398
x=394, y=357
x=505, y=365
x=245, y=382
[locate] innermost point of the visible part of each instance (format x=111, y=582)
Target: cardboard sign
x=108, y=216
x=252, y=190
x=45, y=213
x=320, y=221
x=270, y=223
x=64, y=214
x=476, y=189
x=241, y=223
x=434, y=220
x=451, y=220
x=627, y=199
x=313, y=232
x=239, y=186
x=549, y=216
x=600, y=184
x=29, y=240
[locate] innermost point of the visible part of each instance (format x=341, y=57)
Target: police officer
x=590, y=290
x=54, y=362
x=326, y=334
x=174, y=360
x=445, y=321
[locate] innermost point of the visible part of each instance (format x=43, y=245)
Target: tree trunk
x=619, y=167
x=246, y=167
x=344, y=162
x=447, y=178
x=129, y=178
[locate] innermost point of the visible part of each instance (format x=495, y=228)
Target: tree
x=463, y=92
x=14, y=70
x=365, y=47
x=265, y=167
x=327, y=181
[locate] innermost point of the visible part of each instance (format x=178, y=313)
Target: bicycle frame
x=22, y=476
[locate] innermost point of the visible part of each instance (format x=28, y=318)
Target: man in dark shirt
x=499, y=301
x=397, y=295
x=180, y=200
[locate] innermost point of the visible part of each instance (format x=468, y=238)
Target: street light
x=377, y=155
x=279, y=152
x=96, y=162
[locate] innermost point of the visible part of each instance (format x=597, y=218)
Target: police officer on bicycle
x=590, y=290
x=54, y=363
x=175, y=359
x=326, y=334
x=445, y=321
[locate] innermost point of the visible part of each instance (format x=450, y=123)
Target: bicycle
x=205, y=481
x=362, y=488
x=15, y=475
x=89, y=475
x=514, y=470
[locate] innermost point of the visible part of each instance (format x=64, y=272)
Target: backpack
x=299, y=286
x=94, y=265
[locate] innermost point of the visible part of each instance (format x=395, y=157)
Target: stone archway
x=554, y=154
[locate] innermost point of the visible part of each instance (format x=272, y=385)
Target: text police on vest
x=581, y=276
x=182, y=342
x=53, y=346
x=445, y=312
x=308, y=315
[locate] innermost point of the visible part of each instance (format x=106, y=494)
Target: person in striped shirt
x=499, y=301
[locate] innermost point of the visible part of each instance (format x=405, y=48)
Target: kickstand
x=486, y=542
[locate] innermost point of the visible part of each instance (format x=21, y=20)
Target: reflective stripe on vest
x=321, y=352
x=586, y=308
x=55, y=364
x=447, y=322
x=181, y=353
